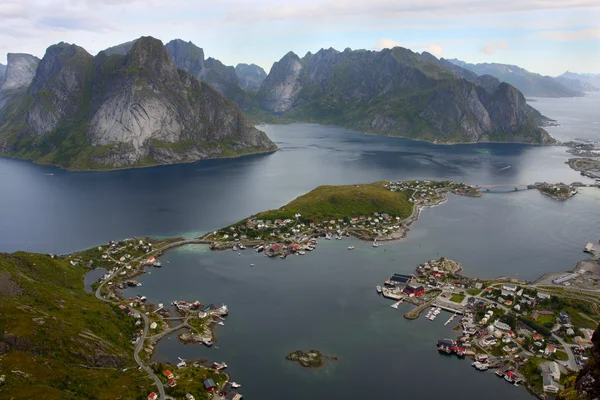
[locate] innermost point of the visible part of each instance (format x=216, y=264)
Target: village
x=297, y=234
x=529, y=335
x=129, y=258
x=557, y=191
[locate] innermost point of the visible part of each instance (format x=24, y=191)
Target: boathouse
x=209, y=385
x=414, y=290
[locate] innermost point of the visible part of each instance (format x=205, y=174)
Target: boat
x=156, y=263
x=375, y=244
x=207, y=342
x=339, y=237
x=283, y=256
x=499, y=372
x=219, y=366
x=220, y=323
x=252, y=265
x=350, y=247
x=235, y=385
x=260, y=248
x=181, y=363
x=160, y=305
x=235, y=248
x=302, y=252
x=378, y=289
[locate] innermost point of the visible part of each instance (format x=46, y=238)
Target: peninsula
x=532, y=334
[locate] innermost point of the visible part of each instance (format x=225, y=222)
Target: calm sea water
x=324, y=300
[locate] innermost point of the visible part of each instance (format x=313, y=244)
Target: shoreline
x=409, y=138
x=30, y=160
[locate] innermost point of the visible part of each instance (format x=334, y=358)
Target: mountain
x=585, y=385
x=2, y=71
x=576, y=84
x=397, y=92
x=120, y=49
x=17, y=76
x=189, y=57
x=119, y=111
x=250, y=75
x=590, y=79
x=530, y=84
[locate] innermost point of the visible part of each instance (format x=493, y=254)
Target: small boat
x=235, y=385
x=207, y=342
x=350, y=247
x=160, y=305
x=241, y=246
x=156, y=263
x=375, y=244
x=252, y=265
x=302, y=252
x=220, y=323
x=143, y=298
x=378, y=289
x=235, y=248
x=260, y=248
x=181, y=363
x=339, y=237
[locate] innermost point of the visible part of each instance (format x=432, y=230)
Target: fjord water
x=326, y=299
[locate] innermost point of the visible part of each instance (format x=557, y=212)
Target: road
x=572, y=363
x=140, y=344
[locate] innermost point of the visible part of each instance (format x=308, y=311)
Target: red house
x=172, y=382
x=152, y=396
x=168, y=374
x=414, y=290
x=209, y=385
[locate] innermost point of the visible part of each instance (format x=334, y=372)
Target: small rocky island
x=558, y=191
x=589, y=167
x=309, y=359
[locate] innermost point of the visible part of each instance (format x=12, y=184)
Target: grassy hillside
x=59, y=342
x=333, y=202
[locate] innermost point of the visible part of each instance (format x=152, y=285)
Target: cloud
x=385, y=44
x=491, y=48
x=435, y=49
x=571, y=35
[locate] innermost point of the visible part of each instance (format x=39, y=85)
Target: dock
x=457, y=309
x=450, y=319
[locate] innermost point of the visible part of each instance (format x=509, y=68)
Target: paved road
x=572, y=363
x=140, y=343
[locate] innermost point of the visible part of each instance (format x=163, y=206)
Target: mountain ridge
x=121, y=111
x=399, y=93
x=529, y=83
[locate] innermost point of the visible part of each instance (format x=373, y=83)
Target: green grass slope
x=333, y=202
x=58, y=341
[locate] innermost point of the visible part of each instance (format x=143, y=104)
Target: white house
x=509, y=287
x=549, y=384
x=554, y=370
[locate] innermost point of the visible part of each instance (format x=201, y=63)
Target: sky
x=544, y=36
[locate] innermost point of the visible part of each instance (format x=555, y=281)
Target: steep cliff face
x=251, y=76
x=59, y=87
x=398, y=92
x=189, y=57
x=17, y=76
x=280, y=88
x=2, y=71
x=123, y=110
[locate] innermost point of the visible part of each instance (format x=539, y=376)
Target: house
x=537, y=337
x=564, y=318
x=508, y=302
x=543, y=296
x=549, y=384
x=209, y=385
x=501, y=325
x=509, y=287
x=171, y=383
x=549, y=350
x=168, y=374
x=152, y=396
x=189, y=396
x=554, y=370
x=414, y=290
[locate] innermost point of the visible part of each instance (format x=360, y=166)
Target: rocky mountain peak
x=250, y=75
x=20, y=71
x=58, y=86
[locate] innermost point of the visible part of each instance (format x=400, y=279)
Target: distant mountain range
x=531, y=84
x=590, y=81
x=401, y=93
x=131, y=107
